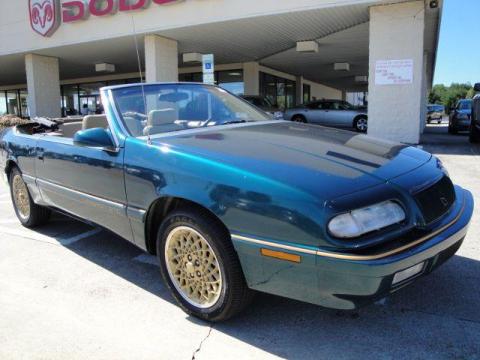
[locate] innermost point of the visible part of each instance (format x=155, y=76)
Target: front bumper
x=348, y=284
x=462, y=125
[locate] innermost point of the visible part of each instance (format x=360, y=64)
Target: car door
x=83, y=181
x=313, y=112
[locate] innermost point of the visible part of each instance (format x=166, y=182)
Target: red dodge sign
x=45, y=14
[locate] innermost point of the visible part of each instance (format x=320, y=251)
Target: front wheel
x=361, y=124
x=29, y=213
x=200, y=266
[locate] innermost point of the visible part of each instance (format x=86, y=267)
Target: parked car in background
x=264, y=104
x=336, y=113
x=230, y=200
x=435, y=113
x=460, y=117
x=475, y=118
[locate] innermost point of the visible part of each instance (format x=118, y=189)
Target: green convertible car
x=232, y=201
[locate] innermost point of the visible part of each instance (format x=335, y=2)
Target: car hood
x=324, y=162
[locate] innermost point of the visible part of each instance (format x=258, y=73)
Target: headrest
x=162, y=117
x=94, y=121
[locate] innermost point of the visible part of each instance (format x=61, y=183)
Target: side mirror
x=477, y=87
x=95, y=138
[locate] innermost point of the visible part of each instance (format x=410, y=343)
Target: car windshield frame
x=140, y=96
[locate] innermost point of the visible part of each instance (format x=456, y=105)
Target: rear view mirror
x=477, y=87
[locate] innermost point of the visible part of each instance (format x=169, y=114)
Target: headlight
x=362, y=221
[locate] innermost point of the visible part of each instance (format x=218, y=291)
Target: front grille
x=435, y=201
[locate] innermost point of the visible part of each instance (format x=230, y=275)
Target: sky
x=458, y=58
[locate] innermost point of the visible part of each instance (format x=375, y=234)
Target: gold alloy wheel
x=193, y=267
x=20, y=197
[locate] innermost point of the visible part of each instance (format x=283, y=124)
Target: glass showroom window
x=12, y=103
x=70, y=104
x=231, y=80
x=307, y=93
x=3, y=103
x=281, y=92
x=24, y=103
x=89, y=96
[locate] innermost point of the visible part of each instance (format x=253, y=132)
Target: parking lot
x=70, y=291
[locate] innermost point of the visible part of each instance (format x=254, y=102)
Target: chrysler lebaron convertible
x=231, y=201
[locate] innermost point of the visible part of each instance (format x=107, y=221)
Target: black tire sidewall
x=299, y=119
x=211, y=234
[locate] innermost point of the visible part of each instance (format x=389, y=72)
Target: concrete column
x=43, y=82
x=299, y=89
x=251, y=78
x=397, y=33
x=161, y=59
x=344, y=95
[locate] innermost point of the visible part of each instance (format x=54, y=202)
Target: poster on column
x=394, y=72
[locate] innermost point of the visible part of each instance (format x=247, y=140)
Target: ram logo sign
x=46, y=15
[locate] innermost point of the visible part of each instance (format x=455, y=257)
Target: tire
x=361, y=124
x=474, y=136
x=299, y=119
x=212, y=246
x=30, y=214
x=439, y=121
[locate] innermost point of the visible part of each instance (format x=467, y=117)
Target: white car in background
x=336, y=113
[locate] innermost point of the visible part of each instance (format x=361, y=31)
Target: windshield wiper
x=235, y=122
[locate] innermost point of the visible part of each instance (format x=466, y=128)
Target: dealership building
x=55, y=55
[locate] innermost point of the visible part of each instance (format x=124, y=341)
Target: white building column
x=299, y=89
x=251, y=78
x=397, y=33
x=161, y=59
x=43, y=82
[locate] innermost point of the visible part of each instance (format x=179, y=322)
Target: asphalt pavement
x=70, y=291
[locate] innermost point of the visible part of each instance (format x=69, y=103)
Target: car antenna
x=139, y=62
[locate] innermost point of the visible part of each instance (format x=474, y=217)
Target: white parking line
x=147, y=259
x=64, y=241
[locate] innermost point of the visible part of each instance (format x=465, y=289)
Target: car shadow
x=436, y=317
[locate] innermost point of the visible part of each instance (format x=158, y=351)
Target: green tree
x=449, y=95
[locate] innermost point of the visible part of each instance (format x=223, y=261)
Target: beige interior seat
x=162, y=120
x=95, y=121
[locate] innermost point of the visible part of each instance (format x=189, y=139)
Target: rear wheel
x=361, y=124
x=200, y=266
x=299, y=118
x=29, y=213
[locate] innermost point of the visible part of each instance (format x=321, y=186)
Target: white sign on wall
x=394, y=72
x=208, y=69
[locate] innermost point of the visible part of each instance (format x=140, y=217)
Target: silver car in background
x=335, y=113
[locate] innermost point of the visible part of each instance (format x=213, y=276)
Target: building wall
x=18, y=37
x=320, y=91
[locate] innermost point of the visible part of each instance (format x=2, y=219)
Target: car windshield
x=465, y=105
x=163, y=108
